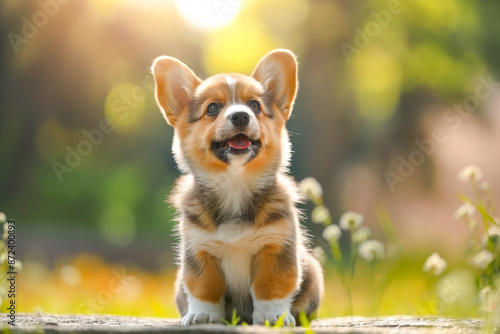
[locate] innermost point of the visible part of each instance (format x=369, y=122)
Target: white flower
x=351, y=220
x=471, y=172
x=5, y=233
x=332, y=233
x=371, y=250
x=319, y=253
x=436, y=264
x=361, y=234
x=471, y=224
x=3, y=218
x=485, y=186
x=319, y=214
x=485, y=293
x=465, y=210
x=482, y=259
x=311, y=188
x=489, y=299
x=493, y=234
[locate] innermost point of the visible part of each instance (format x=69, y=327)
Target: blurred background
x=396, y=97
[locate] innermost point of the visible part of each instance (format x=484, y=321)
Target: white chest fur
x=234, y=187
x=234, y=245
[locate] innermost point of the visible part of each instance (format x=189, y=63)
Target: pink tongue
x=239, y=143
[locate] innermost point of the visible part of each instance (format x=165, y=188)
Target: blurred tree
x=90, y=56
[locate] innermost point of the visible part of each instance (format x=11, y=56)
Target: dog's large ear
x=277, y=72
x=175, y=85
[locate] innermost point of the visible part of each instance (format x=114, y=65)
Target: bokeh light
x=353, y=121
x=237, y=47
x=117, y=224
x=124, y=106
x=70, y=275
x=209, y=14
x=376, y=83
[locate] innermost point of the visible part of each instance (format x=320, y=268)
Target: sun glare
x=209, y=14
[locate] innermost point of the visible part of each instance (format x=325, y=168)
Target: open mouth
x=238, y=144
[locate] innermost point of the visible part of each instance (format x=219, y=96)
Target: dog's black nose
x=240, y=118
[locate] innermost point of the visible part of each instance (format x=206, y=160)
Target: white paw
x=193, y=318
x=260, y=318
x=272, y=310
x=200, y=312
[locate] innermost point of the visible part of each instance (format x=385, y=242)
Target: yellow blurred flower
x=351, y=220
x=371, y=250
x=332, y=234
x=482, y=259
x=319, y=253
x=320, y=214
x=311, y=188
x=435, y=264
x=361, y=234
x=469, y=173
x=465, y=210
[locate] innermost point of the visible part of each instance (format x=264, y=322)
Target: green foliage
x=475, y=279
x=58, y=88
x=279, y=322
x=442, y=45
x=235, y=320
x=360, y=241
x=485, y=246
x=305, y=323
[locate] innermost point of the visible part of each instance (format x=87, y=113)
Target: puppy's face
x=229, y=119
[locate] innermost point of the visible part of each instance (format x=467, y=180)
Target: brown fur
x=238, y=222
x=206, y=272
x=276, y=272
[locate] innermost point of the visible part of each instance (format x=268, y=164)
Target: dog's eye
x=213, y=109
x=255, y=106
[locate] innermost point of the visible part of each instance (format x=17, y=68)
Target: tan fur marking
x=266, y=209
x=273, y=281
x=196, y=139
x=208, y=284
x=277, y=72
x=270, y=154
x=205, y=221
x=175, y=84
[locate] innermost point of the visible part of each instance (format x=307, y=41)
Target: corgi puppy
x=241, y=244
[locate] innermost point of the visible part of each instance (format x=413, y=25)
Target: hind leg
x=180, y=295
x=311, y=290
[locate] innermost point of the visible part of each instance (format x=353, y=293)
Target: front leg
x=204, y=286
x=275, y=283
